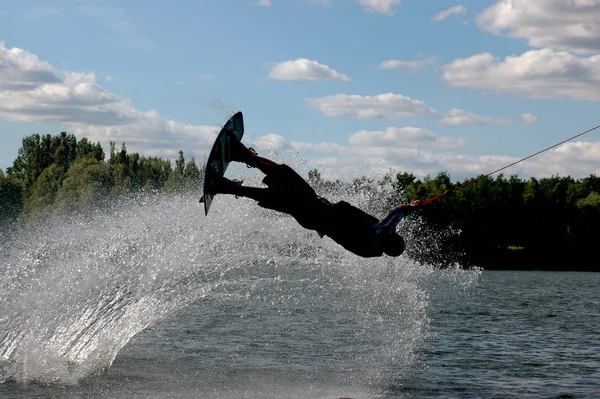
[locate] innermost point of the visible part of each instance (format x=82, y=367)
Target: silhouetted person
x=287, y=192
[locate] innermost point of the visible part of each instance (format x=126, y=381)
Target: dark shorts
x=293, y=195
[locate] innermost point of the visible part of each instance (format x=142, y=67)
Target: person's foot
x=225, y=186
x=239, y=152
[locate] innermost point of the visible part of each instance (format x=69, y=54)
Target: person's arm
x=406, y=209
x=397, y=213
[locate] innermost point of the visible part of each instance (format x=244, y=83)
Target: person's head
x=393, y=245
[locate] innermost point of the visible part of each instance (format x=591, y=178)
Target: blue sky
x=349, y=86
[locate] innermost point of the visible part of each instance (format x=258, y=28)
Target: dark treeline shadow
x=495, y=223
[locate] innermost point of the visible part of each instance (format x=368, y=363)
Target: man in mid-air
x=287, y=192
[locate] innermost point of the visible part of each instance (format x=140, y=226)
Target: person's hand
x=410, y=208
x=412, y=205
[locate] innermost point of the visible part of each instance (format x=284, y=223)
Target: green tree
x=85, y=184
x=193, y=176
x=30, y=162
x=84, y=148
x=175, y=182
x=43, y=191
x=314, y=177
x=39, y=152
x=154, y=173
x=11, y=199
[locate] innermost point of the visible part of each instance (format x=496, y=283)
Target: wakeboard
x=220, y=157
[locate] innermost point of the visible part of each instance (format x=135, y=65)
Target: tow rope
x=428, y=200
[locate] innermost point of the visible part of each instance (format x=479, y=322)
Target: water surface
x=150, y=300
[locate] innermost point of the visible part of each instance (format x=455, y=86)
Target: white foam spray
x=75, y=289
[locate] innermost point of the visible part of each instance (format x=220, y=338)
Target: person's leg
x=226, y=186
x=277, y=175
x=270, y=198
x=240, y=153
x=264, y=165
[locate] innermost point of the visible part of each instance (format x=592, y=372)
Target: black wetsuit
x=349, y=226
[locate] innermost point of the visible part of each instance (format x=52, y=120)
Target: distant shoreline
x=523, y=260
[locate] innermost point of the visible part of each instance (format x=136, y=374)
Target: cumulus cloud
x=458, y=117
x=388, y=105
x=22, y=71
x=271, y=143
x=305, y=69
x=576, y=159
x=31, y=91
x=528, y=118
x=322, y=147
x=564, y=25
x=380, y=6
x=74, y=98
x=537, y=73
x=151, y=134
x=402, y=137
x=456, y=10
x=422, y=152
x=414, y=66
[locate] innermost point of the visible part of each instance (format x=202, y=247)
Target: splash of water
x=74, y=290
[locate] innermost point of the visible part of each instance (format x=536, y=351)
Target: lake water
x=150, y=301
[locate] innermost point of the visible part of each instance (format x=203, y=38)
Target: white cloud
x=271, y=142
x=456, y=10
x=150, y=134
x=537, y=73
x=305, y=69
x=21, y=70
x=31, y=91
x=576, y=159
x=75, y=98
x=380, y=6
x=402, y=137
x=528, y=118
x=368, y=152
x=572, y=25
x=458, y=117
x=422, y=152
x=388, y=105
x=414, y=66
x=322, y=147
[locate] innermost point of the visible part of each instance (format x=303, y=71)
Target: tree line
x=501, y=223
x=496, y=222
x=60, y=173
